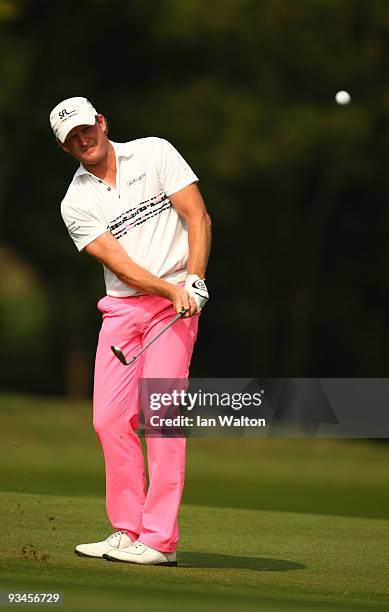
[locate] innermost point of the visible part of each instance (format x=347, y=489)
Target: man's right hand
x=181, y=299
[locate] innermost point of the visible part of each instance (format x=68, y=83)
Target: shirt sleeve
x=173, y=171
x=83, y=225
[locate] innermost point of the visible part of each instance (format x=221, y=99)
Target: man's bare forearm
x=199, y=238
x=190, y=205
x=144, y=281
x=111, y=254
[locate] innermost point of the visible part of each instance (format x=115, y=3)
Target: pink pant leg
x=168, y=357
x=115, y=414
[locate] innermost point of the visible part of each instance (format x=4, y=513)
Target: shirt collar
x=122, y=149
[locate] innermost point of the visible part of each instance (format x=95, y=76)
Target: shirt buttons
x=108, y=188
x=100, y=181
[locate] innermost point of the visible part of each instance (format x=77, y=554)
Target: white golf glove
x=197, y=290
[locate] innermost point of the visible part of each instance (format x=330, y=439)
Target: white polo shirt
x=138, y=212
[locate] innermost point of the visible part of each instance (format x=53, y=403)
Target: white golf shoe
x=142, y=554
x=116, y=541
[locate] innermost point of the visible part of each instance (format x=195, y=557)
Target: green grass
x=269, y=524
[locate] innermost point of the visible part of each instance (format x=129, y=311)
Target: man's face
x=88, y=143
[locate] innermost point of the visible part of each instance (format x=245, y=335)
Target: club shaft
x=178, y=316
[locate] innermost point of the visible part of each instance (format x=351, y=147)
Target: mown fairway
x=266, y=524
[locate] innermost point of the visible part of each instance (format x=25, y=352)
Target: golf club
x=117, y=351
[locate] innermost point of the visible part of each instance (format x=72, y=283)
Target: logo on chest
x=136, y=179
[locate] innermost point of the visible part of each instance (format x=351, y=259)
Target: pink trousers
x=130, y=322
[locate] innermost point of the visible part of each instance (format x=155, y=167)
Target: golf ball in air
x=343, y=97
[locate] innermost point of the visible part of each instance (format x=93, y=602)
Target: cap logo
x=64, y=112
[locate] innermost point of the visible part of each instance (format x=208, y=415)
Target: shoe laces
x=115, y=536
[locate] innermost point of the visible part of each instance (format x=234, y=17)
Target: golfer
x=136, y=208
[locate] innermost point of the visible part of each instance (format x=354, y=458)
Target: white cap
x=70, y=113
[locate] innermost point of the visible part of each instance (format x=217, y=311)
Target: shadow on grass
x=194, y=559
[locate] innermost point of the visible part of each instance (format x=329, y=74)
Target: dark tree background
x=297, y=186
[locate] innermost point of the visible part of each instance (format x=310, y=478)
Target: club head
x=117, y=351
